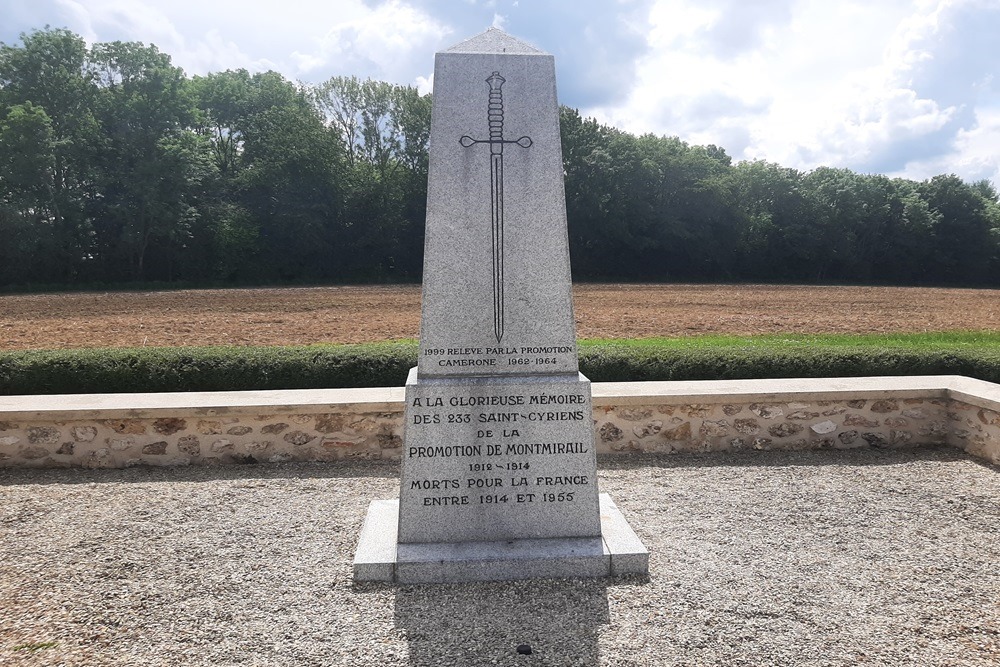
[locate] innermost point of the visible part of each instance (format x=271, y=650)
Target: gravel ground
x=767, y=558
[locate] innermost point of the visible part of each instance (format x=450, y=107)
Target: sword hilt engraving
x=494, y=116
x=495, y=112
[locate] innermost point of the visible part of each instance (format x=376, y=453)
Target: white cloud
x=311, y=39
x=974, y=154
x=382, y=41
x=820, y=83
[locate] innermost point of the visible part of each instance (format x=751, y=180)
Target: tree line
x=117, y=168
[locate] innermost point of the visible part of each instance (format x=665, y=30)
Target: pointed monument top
x=494, y=40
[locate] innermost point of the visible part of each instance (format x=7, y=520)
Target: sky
x=906, y=88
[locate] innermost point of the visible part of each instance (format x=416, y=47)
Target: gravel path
x=767, y=558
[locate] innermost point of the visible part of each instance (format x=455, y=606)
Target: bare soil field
x=357, y=314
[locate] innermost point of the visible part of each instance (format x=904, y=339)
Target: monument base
x=380, y=558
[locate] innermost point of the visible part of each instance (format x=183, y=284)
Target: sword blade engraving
x=495, y=120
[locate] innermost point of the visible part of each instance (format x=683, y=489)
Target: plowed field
x=292, y=316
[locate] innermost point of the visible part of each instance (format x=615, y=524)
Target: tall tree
x=145, y=112
x=49, y=146
x=385, y=130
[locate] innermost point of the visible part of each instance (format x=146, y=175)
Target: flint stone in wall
x=834, y=411
x=66, y=449
x=388, y=441
x=960, y=433
x=915, y=413
x=8, y=426
x=274, y=428
x=762, y=443
x=298, y=438
x=279, y=458
x=824, y=427
x=207, y=427
x=8, y=440
x=896, y=422
x=120, y=444
x=874, y=440
x=301, y=419
x=239, y=430
x=935, y=428
x=989, y=417
x=43, y=435
x=98, y=458
x=222, y=446
x=731, y=410
x=84, y=433
x=822, y=443
x=785, y=429
x=622, y=446
x=329, y=423
x=766, y=411
x=696, y=410
x=802, y=415
x=610, y=433
x=634, y=414
x=747, y=426
x=125, y=426
x=682, y=432
x=365, y=424
x=848, y=437
x=257, y=447
x=666, y=409
x=859, y=420
x=155, y=449
x=714, y=429
x=189, y=445
x=900, y=437
x=32, y=453
x=885, y=406
x=648, y=429
x=169, y=425
x=858, y=404
x=737, y=444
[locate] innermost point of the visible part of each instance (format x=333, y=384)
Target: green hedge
x=611, y=364
x=386, y=365
x=139, y=370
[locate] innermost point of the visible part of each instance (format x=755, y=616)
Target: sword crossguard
x=466, y=141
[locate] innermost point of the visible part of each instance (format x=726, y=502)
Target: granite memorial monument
x=499, y=475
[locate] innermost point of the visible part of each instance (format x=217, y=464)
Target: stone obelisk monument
x=499, y=476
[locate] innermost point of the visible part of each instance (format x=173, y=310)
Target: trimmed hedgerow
x=624, y=364
x=143, y=370
x=385, y=365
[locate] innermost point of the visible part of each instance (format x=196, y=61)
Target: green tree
x=963, y=246
x=146, y=113
x=49, y=143
x=385, y=130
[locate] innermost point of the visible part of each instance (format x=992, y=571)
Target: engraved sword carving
x=496, y=141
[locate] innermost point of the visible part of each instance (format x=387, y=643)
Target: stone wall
x=822, y=424
x=332, y=425
x=185, y=439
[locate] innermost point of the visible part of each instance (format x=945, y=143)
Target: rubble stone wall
x=771, y=425
x=108, y=432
